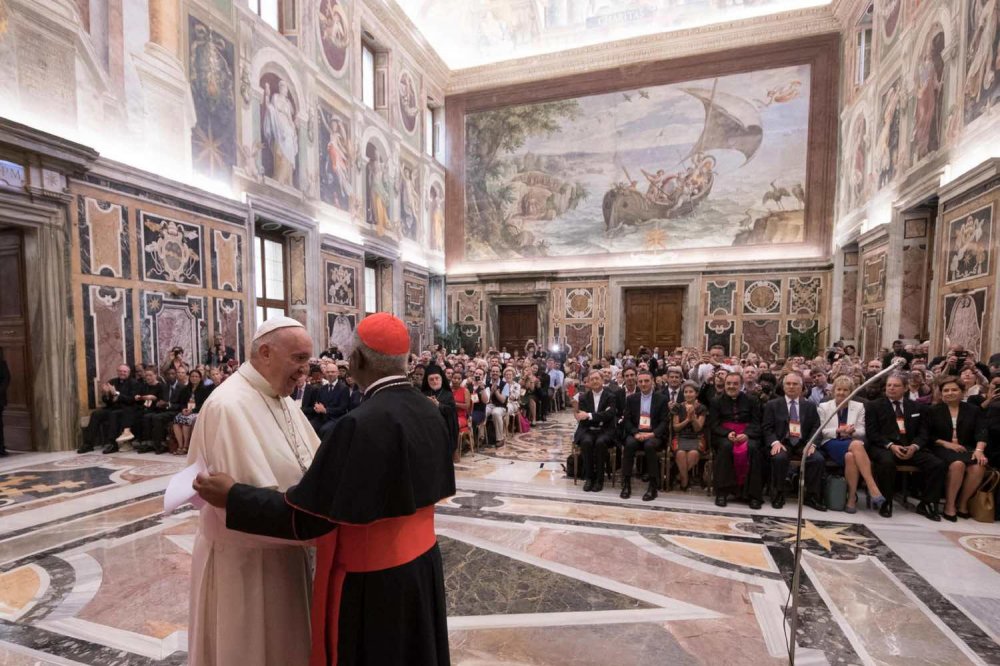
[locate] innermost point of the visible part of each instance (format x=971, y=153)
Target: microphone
x=894, y=366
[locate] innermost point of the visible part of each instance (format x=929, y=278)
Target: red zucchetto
x=384, y=333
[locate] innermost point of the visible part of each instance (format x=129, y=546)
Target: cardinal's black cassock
x=369, y=496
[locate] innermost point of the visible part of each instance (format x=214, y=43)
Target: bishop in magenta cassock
x=368, y=499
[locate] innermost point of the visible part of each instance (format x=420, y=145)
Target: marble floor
x=93, y=572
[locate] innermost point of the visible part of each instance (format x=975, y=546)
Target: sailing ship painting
x=699, y=164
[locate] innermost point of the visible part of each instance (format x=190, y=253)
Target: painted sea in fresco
x=699, y=164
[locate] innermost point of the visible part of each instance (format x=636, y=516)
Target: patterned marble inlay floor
x=536, y=571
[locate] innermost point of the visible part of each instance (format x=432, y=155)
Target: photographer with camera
x=175, y=360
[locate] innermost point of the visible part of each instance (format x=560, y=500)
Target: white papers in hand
x=179, y=490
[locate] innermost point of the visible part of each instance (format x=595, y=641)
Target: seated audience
x=192, y=397
x=788, y=423
x=496, y=408
x=734, y=419
x=918, y=390
x=645, y=424
x=688, y=441
x=116, y=415
x=151, y=402
x=595, y=430
x=843, y=442
x=956, y=432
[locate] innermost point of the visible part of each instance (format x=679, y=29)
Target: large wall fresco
x=212, y=72
x=700, y=164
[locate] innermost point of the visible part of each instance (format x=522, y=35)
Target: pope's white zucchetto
x=274, y=324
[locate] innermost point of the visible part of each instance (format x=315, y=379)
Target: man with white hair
x=369, y=497
x=250, y=595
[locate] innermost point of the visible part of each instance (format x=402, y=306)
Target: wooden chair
x=466, y=436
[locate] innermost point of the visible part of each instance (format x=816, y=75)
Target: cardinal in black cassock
x=369, y=496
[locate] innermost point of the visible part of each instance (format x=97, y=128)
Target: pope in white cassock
x=250, y=595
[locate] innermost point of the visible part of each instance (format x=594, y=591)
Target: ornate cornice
x=664, y=46
x=404, y=33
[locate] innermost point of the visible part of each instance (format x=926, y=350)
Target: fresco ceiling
x=470, y=33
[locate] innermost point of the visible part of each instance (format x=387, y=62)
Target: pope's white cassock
x=250, y=595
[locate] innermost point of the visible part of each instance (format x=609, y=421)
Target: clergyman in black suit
x=646, y=426
x=595, y=430
x=788, y=423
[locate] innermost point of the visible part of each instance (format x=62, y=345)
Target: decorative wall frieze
x=632, y=52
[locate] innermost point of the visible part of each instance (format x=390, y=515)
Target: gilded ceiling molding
x=663, y=46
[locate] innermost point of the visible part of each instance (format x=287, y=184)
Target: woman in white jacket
x=844, y=443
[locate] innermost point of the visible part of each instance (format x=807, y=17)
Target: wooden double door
x=14, y=342
x=516, y=324
x=653, y=317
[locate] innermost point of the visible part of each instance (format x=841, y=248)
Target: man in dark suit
x=116, y=414
x=328, y=402
x=595, y=430
x=542, y=393
x=892, y=424
x=735, y=419
x=646, y=422
x=219, y=355
x=788, y=423
x=898, y=351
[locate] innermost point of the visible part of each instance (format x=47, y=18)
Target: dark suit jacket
x=775, y=421
x=742, y=409
x=887, y=359
x=659, y=414
x=937, y=425
x=880, y=423
x=127, y=389
x=4, y=382
x=605, y=415
x=336, y=399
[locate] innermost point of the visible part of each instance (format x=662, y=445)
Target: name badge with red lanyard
x=644, y=422
x=794, y=429
x=901, y=424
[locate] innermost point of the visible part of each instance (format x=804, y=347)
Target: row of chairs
x=665, y=458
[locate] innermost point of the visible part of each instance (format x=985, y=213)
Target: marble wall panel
x=804, y=295
x=579, y=303
x=471, y=337
x=579, y=338
x=762, y=336
x=171, y=250
x=415, y=300
x=761, y=297
x=297, y=269
x=873, y=278
x=385, y=285
x=871, y=333
x=912, y=323
x=848, y=314
x=467, y=305
x=107, y=332
x=229, y=323
x=720, y=331
x=227, y=260
x=104, y=239
x=169, y=322
x=720, y=298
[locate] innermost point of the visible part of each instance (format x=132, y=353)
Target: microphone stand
x=797, y=570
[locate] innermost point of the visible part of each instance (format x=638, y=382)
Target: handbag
x=835, y=493
x=524, y=423
x=982, y=505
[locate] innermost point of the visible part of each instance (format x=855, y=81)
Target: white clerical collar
x=252, y=375
x=384, y=380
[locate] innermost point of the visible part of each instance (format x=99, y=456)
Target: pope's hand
x=213, y=488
